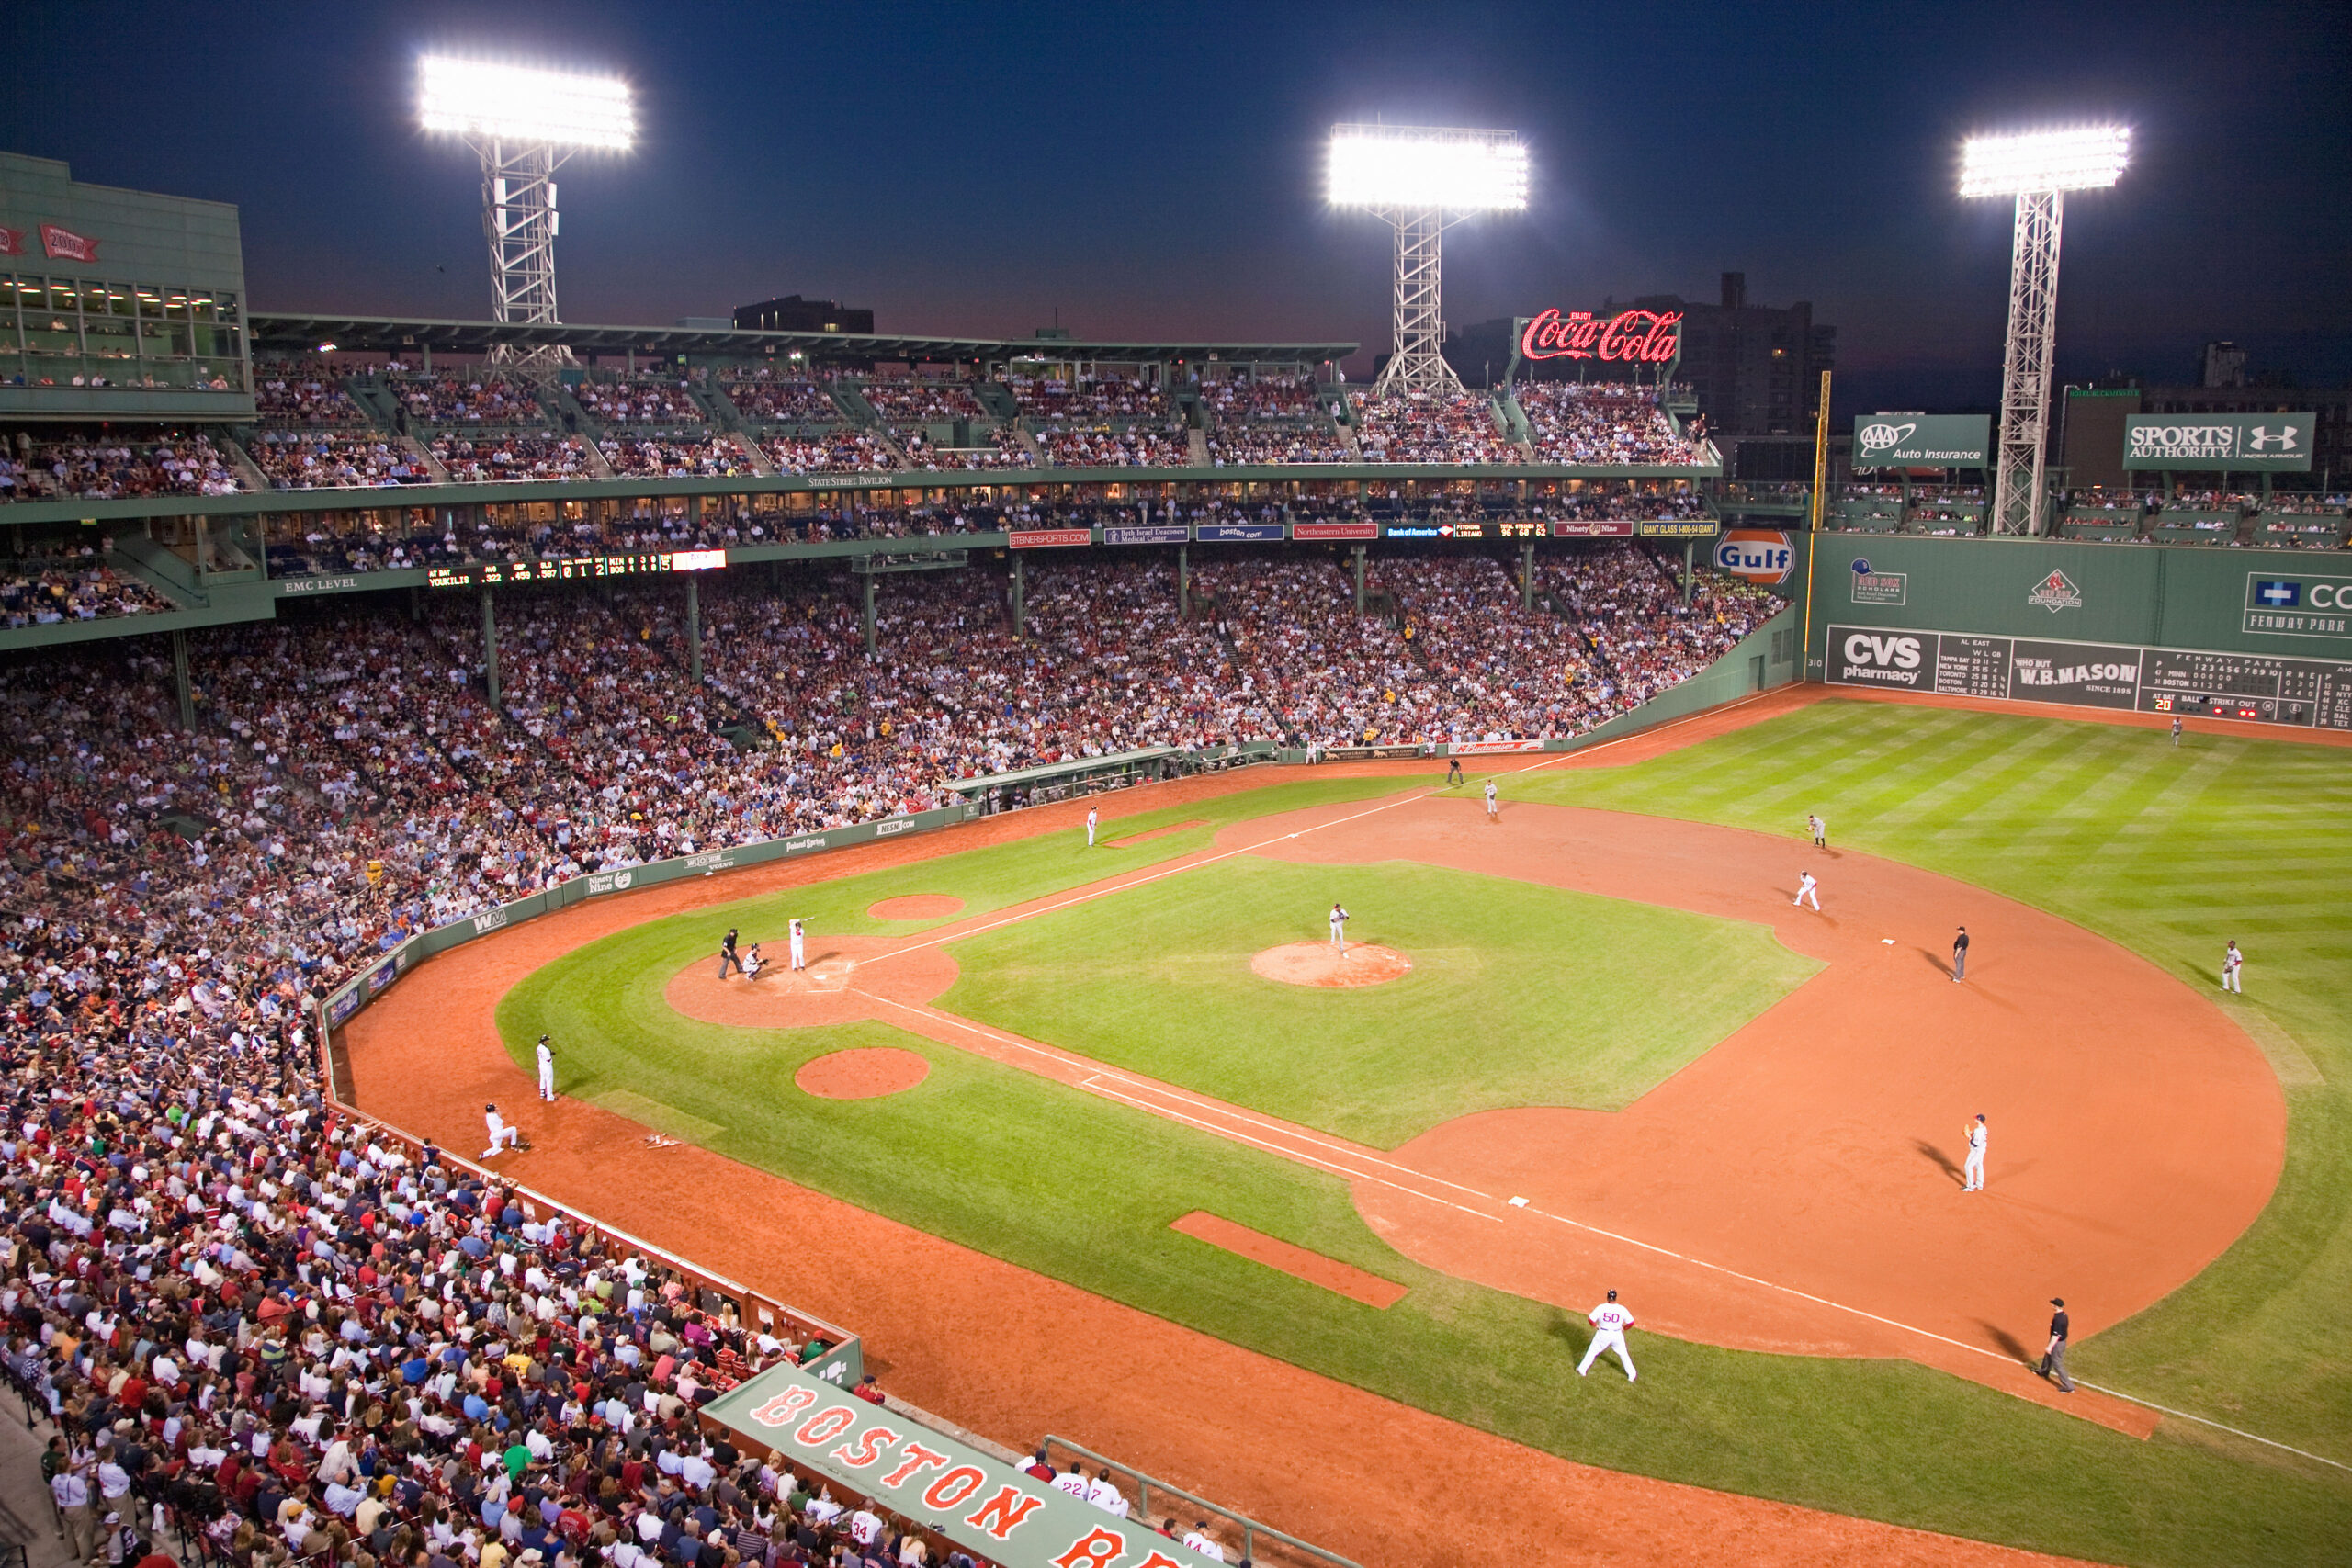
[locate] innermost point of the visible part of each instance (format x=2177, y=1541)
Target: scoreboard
x=571, y=568
x=2313, y=693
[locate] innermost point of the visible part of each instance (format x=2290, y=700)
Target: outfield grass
x=2079, y=819
x=1510, y=1000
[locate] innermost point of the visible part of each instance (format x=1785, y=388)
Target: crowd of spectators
x=1005, y=450
x=72, y=586
x=766, y=400
x=1289, y=397
x=1621, y=501
x=666, y=457
x=1116, y=446
x=302, y=392
x=1599, y=422
x=304, y=459
x=1422, y=427
x=98, y=466
x=1094, y=400
x=842, y=449
x=639, y=399
x=1631, y=612
x=490, y=456
x=477, y=397
x=1236, y=444
x=904, y=400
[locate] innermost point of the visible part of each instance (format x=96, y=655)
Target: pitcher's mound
x=865, y=1074
x=1321, y=964
x=917, y=907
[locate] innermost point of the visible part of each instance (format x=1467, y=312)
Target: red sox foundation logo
x=2055, y=593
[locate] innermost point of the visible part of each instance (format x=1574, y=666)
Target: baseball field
x=1586, y=1043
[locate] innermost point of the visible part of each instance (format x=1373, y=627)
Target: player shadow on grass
x=1570, y=1331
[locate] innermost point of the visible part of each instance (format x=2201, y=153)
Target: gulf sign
x=1758, y=555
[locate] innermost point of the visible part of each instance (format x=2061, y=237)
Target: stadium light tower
x=2038, y=170
x=523, y=123
x=1423, y=181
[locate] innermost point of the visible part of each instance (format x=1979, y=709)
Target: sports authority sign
x=1628, y=337
x=2281, y=441
x=1757, y=555
x=973, y=1501
x=1924, y=440
x=2296, y=603
x=2312, y=693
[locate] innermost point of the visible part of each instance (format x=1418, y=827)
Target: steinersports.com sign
x=2276, y=441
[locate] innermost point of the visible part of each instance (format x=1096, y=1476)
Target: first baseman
x=1973, y=1178
x=2232, y=962
x=1339, y=926
x=1805, y=886
x=1492, y=809
x=799, y=946
x=1608, y=1322
x=1092, y=816
x=546, y=1069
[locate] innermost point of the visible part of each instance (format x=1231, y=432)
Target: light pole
x=2037, y=169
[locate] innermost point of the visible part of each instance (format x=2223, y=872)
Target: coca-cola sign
x=1630, y=337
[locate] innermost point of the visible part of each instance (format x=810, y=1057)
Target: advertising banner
x=1491, y=748
x=979, y=1504
x=1048, y=538
x=1922, y=440
x=1632, y=337
x=1878, y=587
x=2277, y=441
x=1152, y=533
x=1677, y=528
x=1238, y=533
x=2298, y=604
x=1366, y=530
x=1433, y=531
x=2311, y=692
x=1594, y=528
x=1757, y=555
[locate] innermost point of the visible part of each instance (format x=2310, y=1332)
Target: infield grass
x=2168, y=853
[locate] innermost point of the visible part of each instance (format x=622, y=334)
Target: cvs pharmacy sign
x=1899, y=660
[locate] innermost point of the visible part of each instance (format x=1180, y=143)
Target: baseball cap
x=2057, y=1301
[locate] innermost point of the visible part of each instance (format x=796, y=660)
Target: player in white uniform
x=1492, y=809
x=547, y=1070
x=1072, y=1481
x=1104, y=1493
x=1339, y=928
x=1199, y=1540
x=799, y=946
x=1092, y=816
x=1608, y=1322
x=502, y=1137
x=1973, y=1178
x=2232, y=962
x=1818, y=828
x=1805, y=886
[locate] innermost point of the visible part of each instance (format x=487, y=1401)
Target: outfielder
x=502, y=1137
x=799, y=946
x=2232, y=962
x=1493, y=811
x=1806, y=889
x=1608, y=1322
x=547, y=1070
x=1973, y=1176
x=1092, y=816
x=1339, y=928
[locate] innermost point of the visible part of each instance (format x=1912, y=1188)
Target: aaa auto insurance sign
x=2278, y=441
x=1924, y=440
x=1758, y=555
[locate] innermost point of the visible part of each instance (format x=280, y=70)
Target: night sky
x=1148, y=169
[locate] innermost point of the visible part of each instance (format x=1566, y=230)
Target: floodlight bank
x=472, y=98
x=1407, y=166
x=2088, y=159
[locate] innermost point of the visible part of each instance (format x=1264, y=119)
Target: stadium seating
x=69, y=462
x=77, y=587
x=305, y=459
x=1419, y=427
x=1599, y=422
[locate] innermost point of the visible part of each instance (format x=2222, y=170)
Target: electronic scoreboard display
x=571, y=568
x=2313, y=693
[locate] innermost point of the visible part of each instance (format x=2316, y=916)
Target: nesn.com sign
x=2298, y=607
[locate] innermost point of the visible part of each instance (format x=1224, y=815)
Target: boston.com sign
x=2278, y=441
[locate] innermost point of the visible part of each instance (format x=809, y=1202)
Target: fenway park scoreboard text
x=2312, y=693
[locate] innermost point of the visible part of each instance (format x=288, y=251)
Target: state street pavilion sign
x=1922, y=440
x=2277, y=441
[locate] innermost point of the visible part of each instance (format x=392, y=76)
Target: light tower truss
x=2020, y=469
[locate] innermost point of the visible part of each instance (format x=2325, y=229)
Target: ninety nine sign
x=981, y=1505
x=1634, y=337
x=1594, y=528
x=1335, y=530
x=2219, y=441
x=1048, y=539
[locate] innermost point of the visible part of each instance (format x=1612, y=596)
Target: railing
x=1261, y=1544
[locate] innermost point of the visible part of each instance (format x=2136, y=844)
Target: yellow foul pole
x=1812, y=539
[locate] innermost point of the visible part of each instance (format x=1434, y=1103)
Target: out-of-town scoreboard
x=2315, y=694
x=571, y=568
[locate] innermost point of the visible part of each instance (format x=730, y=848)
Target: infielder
x=1092, y=816
x=502, y=1137
x=1493, y=811
x=2232, y=962
x=1608, y=1322
x=1339, y=928
x=1818, y=828
x=547, y=1070
x=726, y=953
x=1960, y=956
x=1972, y=1176
x=799, y=946
x=1806, y=889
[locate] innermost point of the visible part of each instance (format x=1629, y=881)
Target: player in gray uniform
x=1339, y=928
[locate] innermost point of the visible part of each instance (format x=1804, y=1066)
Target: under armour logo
x=2263, y=438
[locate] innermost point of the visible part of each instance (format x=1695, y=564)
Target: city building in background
x=793, y=314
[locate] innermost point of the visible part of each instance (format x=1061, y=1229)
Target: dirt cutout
x=1321, y=963
x=868, y=1073
x=917, y=907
